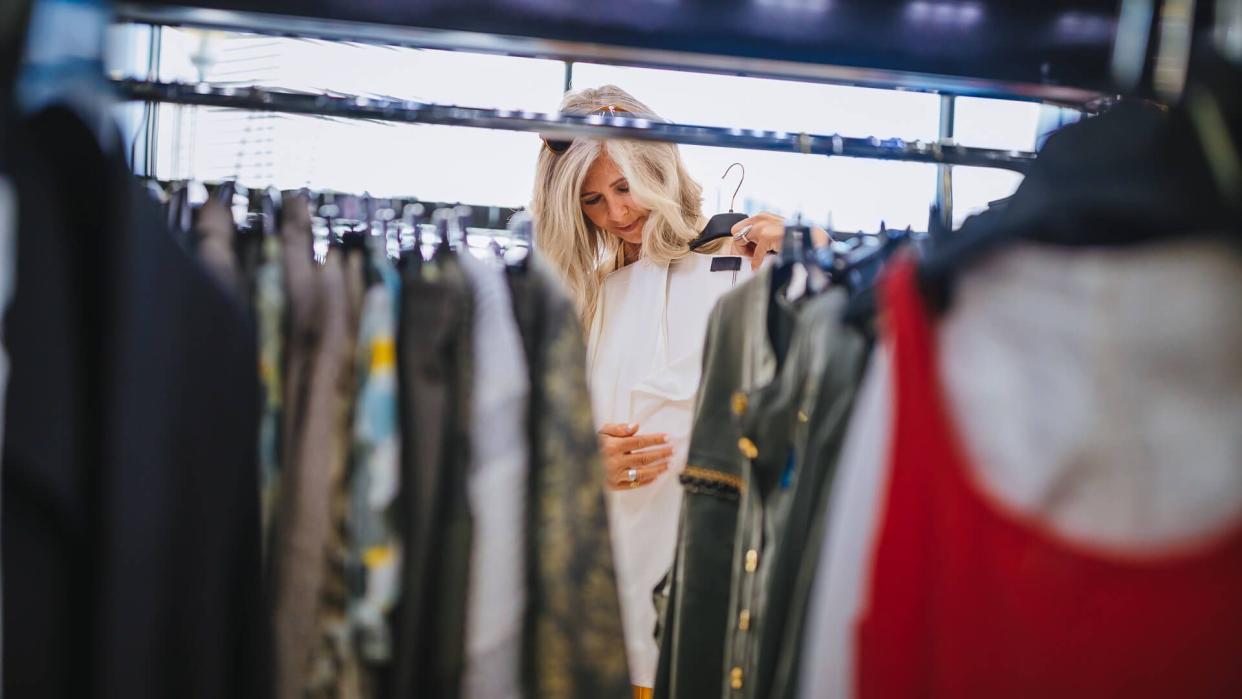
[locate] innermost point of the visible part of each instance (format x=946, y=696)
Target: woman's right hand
x=624, y=449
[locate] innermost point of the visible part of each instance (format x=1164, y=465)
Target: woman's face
x=606, y=201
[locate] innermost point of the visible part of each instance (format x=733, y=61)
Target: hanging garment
x=8, y=251
x=269, y=313
x=250, y=251
x=314, y=463
x=645, y=357
x=736, y=356
x=130, y=472
x=1081, y=388
x=1086, y=539
x=335, y=669
x=797, y=555
x=434, y=365
x=215, y=234
x=793, y=428
x=496, y=589
x=376, y=549
x=574, y=644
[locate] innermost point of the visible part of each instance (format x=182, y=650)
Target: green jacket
x=695, y=597
x=778, y=383
x=795, y=426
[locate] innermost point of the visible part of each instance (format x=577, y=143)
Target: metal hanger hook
x=739, y=182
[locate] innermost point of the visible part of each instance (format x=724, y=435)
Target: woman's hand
x=625, y=452
x=767, y=232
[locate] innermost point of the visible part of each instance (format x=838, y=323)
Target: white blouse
x=644, y=361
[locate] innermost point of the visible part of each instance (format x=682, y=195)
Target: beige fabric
x=314, y=438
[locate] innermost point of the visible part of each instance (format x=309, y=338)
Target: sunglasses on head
x=558, y=145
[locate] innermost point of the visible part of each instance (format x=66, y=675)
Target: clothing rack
x=407, y=111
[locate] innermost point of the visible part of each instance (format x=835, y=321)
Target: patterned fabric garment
x=334, y=670
x=269, y=307
x=307, y=532
x=374, y=565
x=574, y=642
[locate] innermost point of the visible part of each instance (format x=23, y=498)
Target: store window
x=848, y=193
x=990, y=123
x=431, y=162
x=496, y=167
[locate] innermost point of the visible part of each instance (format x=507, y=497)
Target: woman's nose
x=617, y=210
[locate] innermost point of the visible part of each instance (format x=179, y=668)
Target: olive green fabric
x=796, y=425
x=695, y=596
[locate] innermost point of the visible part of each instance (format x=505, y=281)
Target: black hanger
x=721, y=225
x=265, y=208
x=798, y=250
x=327, y=209
x=864, y=266
x=354, y=214
x=410, y=249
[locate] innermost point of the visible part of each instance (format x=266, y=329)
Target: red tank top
x=969, y=599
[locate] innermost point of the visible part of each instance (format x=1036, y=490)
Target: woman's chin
x=634, y=237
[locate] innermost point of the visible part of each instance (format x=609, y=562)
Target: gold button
x=752, y=561
x=739, y=403
x=735, y=678
x=743, y=620
x=803, y=417
x=748, y=448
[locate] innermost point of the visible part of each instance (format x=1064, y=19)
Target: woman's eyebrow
x=619, y=180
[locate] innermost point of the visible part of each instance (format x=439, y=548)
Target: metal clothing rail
x=1009, y=49
x=405, y=111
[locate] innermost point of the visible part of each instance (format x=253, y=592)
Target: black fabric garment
x=130, y=501
x=249, y=249
x=433, y=368
x=573, y=644
x=1132, y=175
x=738, y=355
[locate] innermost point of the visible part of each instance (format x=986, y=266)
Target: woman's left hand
x=767, y=232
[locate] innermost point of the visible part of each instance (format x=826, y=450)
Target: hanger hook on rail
x=739, y=182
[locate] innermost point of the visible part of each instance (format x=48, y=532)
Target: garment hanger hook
x=739, y=182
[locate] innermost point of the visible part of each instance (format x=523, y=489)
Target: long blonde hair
x=658, y=181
